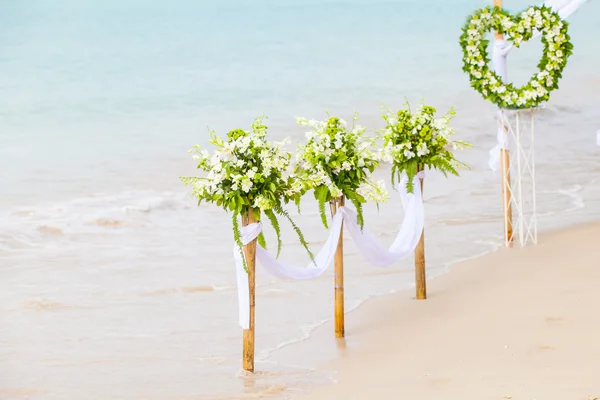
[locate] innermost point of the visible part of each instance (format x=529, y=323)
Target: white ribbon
x=404, y=244
x=564, y=8
x=502, y=140
x=499, y=54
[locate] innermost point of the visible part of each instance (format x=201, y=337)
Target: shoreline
x=373, y=338
x=446, y=269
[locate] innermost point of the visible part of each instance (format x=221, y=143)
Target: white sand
x=517, y=324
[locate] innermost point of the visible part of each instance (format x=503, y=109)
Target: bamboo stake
x=420, y=278
x=339, y=274
x=498, y=3
x=250, y=254
x=506, y=196
x=505, y=161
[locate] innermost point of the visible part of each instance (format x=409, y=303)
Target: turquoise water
x=88, y=86
x=109, y=271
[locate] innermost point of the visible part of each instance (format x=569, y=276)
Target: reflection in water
x=341, y=346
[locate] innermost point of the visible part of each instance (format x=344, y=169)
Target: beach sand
x=518, y=324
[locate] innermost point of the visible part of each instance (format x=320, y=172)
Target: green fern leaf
x=237, y=238
x=261, y=241
x=279, y=210
x=322, y=213
x=275, y=223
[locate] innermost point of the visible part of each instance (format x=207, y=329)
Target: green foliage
x=322, y=213
x=246, y=174
x=303, y=241
x=415, y=141
x=337, y=161
x=261, y=240
x=237, y=237
x=275, y=223
x=518, y=29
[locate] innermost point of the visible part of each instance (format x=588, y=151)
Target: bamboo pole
x=250, y=254
x=498, y=3
x=505, y=162
x=420, y=278
x=339, y=274
x=506, y=196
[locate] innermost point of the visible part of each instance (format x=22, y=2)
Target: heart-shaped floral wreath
x=557, y=48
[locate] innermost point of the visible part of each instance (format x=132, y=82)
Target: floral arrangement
x=337, y=161
x=246, y=174
x=557, y=48
x=414, y=141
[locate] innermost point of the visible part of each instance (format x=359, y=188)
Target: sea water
x=114, y=284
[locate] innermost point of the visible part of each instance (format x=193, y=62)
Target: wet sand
x=516, y=324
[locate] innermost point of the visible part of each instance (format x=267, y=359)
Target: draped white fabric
x=404, y=244
x=564, y=8
x=502, y=140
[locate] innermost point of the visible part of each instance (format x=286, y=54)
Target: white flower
x=262, y=203
x=278, y=163
x=264, y=155
x=334, y=190
x=246, y=184
x=229, y=147
x=422, y=149
x=374, y=191
x=267, y=163
x=243, y=143
x=387, y=155
x=302, y=121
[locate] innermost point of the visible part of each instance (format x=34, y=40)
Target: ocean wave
x=10, y=242
x=48, y=305
x=36, y=226
x=479, y=219
x=161, y=202
x=576, y=200
x=187, y=289
x=277, y=292
x=101, y=206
